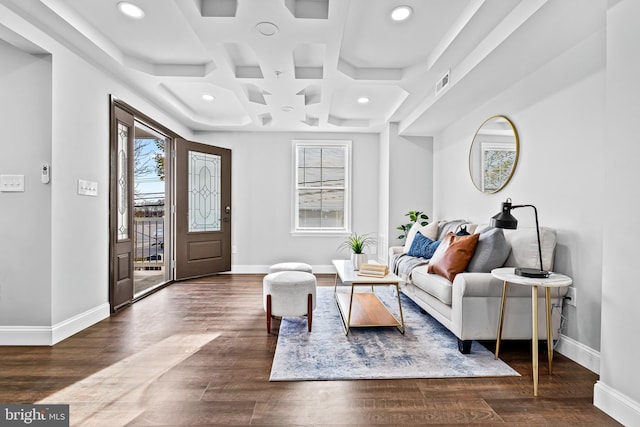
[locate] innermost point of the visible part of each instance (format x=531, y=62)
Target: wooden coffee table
x=364, y=309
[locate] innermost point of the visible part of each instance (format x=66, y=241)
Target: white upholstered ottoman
x=290, y=266
x=289, y=293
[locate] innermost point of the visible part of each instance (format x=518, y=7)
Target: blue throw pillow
x=423, y=247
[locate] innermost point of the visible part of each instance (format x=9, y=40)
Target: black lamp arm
x=535, y=211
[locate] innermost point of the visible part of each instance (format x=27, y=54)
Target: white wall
x=410, y=179
x=617, y=392
x=262, y=174
x=559, y=112
x=71, y=128
x=384, y=184
x=25, y=218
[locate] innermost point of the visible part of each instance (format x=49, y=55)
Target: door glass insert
x=204, y=210
x=123, y=182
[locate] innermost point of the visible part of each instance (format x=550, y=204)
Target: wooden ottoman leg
x=309, y=310
x=268, y=313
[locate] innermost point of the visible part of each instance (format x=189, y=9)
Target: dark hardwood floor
x=197, y=353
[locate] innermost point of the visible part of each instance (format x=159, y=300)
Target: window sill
x=320, y=233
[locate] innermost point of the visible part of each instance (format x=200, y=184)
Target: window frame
x=295, y=220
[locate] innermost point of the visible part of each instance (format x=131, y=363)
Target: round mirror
x=493, y=154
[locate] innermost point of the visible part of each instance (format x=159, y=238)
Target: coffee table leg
x=534, y=338
x=401, y=327
x=348, y=324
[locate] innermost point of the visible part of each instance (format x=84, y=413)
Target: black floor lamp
x=504, y=219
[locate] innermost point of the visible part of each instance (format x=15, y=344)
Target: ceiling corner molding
x=82, y=27
x=168, y=70
x=256, y=95
x=357, y=73
x=218, y=8
x=183, y=70
x=248, y=72
x=302, y=73
x=312, y=95
x=311, y=121
x=463, y=20
x=20, y=42
x=308, y=9
x=341, y=122
x=177, y=102
x=265, y=119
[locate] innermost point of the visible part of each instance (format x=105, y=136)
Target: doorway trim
x=114, y=104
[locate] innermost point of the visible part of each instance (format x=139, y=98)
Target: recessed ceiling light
x=131, y=10
x=267, y=29
x=401, y=13
x=208, y=97
x=363, y=100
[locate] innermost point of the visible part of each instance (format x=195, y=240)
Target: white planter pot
x=358, y=260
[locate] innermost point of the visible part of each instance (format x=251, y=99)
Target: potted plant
x=356, y=244
x=414, y=216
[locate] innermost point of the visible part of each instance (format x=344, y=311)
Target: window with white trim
x=322, y=181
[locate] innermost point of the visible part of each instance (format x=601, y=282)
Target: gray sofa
x=470, y=305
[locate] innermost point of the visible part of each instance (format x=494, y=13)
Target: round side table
x=554, y=280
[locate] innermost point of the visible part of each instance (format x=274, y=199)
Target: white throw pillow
x=430, y=231
x=524, y=247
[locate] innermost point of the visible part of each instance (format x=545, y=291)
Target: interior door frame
x=114, y=103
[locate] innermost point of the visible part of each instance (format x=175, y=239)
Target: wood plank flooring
x=197, y=353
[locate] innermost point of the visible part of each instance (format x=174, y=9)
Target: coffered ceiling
x=288, y=65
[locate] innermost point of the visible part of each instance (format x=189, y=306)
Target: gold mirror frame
x=493, y=154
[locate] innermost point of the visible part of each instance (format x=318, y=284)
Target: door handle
x=227, y=210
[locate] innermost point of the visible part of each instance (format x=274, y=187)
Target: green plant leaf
x=414, y=216
x=357, y=243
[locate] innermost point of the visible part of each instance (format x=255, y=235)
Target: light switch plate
x=87, y=188
x=11, y=183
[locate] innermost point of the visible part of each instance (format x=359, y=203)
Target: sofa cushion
x=422, y=246
x=491, y=252
x=524, y=247
x=434, y=285
x=430, y=231
x=453, y=255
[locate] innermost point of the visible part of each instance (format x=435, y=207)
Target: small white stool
x=290, y=266
x=289, y=293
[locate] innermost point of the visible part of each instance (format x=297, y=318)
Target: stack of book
x=373, y=270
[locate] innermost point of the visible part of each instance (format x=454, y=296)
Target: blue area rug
x=426, y=350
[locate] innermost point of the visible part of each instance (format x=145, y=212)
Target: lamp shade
x=504, y=219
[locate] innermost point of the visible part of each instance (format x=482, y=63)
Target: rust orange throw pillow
x=453, y=255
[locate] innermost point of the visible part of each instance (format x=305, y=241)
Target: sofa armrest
x=476, y=285
x=393, y=250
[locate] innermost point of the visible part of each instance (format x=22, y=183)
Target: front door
x=203, y=210
x=121, y=218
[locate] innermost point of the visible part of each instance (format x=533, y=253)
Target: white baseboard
x=617, y=405
x=25, y=335
x=264, y=269
x=66, y=328
x=579, y=353
x=50, y=335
